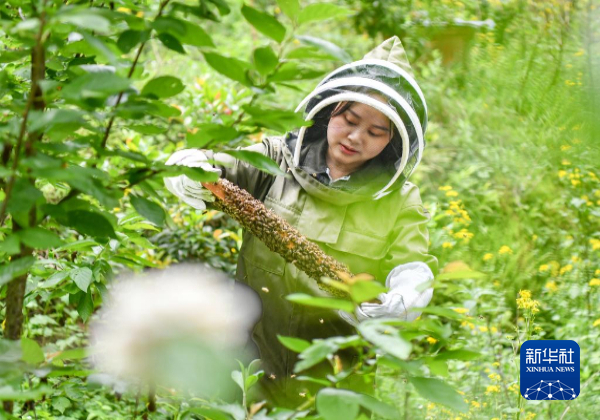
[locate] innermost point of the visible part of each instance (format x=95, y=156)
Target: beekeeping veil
x=382, y=80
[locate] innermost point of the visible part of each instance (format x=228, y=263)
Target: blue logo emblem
x=550, y=369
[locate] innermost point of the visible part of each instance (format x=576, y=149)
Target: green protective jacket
x=369, y=236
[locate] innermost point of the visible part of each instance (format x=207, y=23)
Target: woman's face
x=355, y=136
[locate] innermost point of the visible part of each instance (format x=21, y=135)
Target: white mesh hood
x=382, y=81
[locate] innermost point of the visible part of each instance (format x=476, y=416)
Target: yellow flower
x=597, y=272
x=514, y=388
x=447, y=245
x=445, y=188
x=496, y=364
x=430, y=406
x=461, y=310
x=575, y=182
x=566, y=269
x=494, y=330
x=524, y=301
x=544, y=267
x=565, y=162
x=483, y=328
x=579, y=53
x=492, y=389
x=451, y=194
x=495, y=377
x=575, y=259
x=431, y=340
x=562, y=173
x=551, y=286
x=595, y=282
x=529, y=416
x=463, y=234
x=596, y=323
x=488, y=256
x=595, y=244
x=525, y=294
x=475, y=404
x=565, y=147
x=123, y=10
x=505, y=250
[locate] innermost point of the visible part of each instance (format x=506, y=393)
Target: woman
x=347, y=191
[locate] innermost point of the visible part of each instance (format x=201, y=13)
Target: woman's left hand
x=404, y=294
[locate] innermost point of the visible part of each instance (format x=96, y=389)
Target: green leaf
x=316, y=353
x=264, y=23
x=443, y=312
x=71, y=354
x=328, y=47
x=32, y=352
x=265, y=60
x=10, y=245
x=23, y=197
x=295, y=344
x=305, y=52
x=186, y=32
x=196, y=36
x=82, y=276
x=151, y=211
x=67, y=119
x=377, y=407
x=461, y=354
x=94, y=88
x=437, y=367
x=211, y=413
x=85, y=19
x=209, y=133
x=171, y=42
x=54, y=279
x=130, y=38
x=91, y=223
x=337, y=404
x=39, y=238
x=294, y=71
x=362, y=291
x=321, y=302
x=238, y=378
x=385, y=337
x=85, y=307
x=439, y=392
x=15, y=268
x=229, y=67
x=275, y=119
x=61, y=404
x=163, y=87
x=258, y=160
x=10, y=56
x=321, y=11
x=290, y=7
x=170, y=25
x=7, y=393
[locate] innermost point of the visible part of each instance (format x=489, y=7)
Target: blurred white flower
x=178, y=327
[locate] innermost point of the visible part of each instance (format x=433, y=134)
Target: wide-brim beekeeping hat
x=386, y=73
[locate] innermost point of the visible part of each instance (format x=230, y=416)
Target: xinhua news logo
x=550, y=369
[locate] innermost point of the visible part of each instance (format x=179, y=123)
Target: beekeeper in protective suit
x=348, y=192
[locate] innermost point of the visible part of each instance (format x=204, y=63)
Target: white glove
x=402, y=296
x=190, y=191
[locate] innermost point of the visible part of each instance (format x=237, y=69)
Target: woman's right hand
x=190, y=191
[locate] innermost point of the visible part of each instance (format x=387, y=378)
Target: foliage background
x=510, y=176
